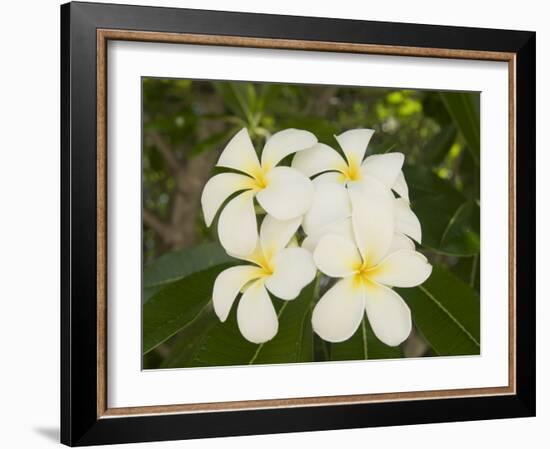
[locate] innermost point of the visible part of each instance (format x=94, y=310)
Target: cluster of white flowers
x=356, y=230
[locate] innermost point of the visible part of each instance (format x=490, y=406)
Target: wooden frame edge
x=293, y=44
x=101, y=223
x=512, y=148
x=318, y=401
x=103, y=35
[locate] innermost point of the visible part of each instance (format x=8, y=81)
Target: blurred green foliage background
x=187, y=123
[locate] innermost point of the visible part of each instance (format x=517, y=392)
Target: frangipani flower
x=375, y=260
x=283, y=192
x=321, y=158
x=281, y=270
x=331, y=209
x=331, y=212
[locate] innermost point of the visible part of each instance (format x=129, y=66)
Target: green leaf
x=148, y=292
x=381, y=149
x=467, y=269
x=461, y=235
x=240, y=98
x=423, y=181
x=184, y=348
x=179, y=264
x=450, y=222
x=437, y=148
x=463, y=107
x=447, y=312
x=211, y=142
x=449, y=225
x=363, y=345
x=224, y=345
x=177, y=305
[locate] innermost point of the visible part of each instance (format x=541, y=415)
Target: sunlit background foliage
x=186, y=125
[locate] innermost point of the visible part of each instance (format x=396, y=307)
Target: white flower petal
x=400, y=186
x=218, y=189
x=317, y=159
x=403, y=268
x=372, y=218
x=389, y=316
x=384, y=167
x=339, y=312
x=401, y=241
x=275, y=234
x=288, y=193
x=330, y=203
x=341, y=227
x=332, y=177
x=283, y=143
x=256, y=316
x=336, y=256
x=256, y=256
x=237, y=228
x=354, y=144
x=293, y=269
x=227, y=286
x=406, y=222
x=239, y=154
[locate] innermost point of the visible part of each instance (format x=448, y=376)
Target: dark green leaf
x=268, y=93
x=363, y=345
x=177, y=305
x=179, y=264
x=148, y=292
x=467, y=269
x=239, y=97
x=189, y=339
x=423, y=181
x=464, y=109
x=151, y=360
x=224, y=345
x=447, y=312
x=433, y=107
x=230, y=100
x=378, y=149
x=450, y=222
x=437, y=148
x=461, y=236
x=449, y=225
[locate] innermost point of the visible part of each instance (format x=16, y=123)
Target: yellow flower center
x=352, y=171
x=264, y=260
x=266, y=263
x=363, y=273
x=260, y=181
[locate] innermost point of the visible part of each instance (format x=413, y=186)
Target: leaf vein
x=449, y=314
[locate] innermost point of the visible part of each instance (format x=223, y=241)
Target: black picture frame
x=80, y=423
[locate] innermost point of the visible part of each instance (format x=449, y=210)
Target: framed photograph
x=280, y=224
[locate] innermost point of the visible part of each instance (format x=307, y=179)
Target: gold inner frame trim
x=104, y=35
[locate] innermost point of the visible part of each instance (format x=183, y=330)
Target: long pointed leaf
x=464, y=109
x=450, y=223
x=177, y=265
x=177, y=305
x=447, y=313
